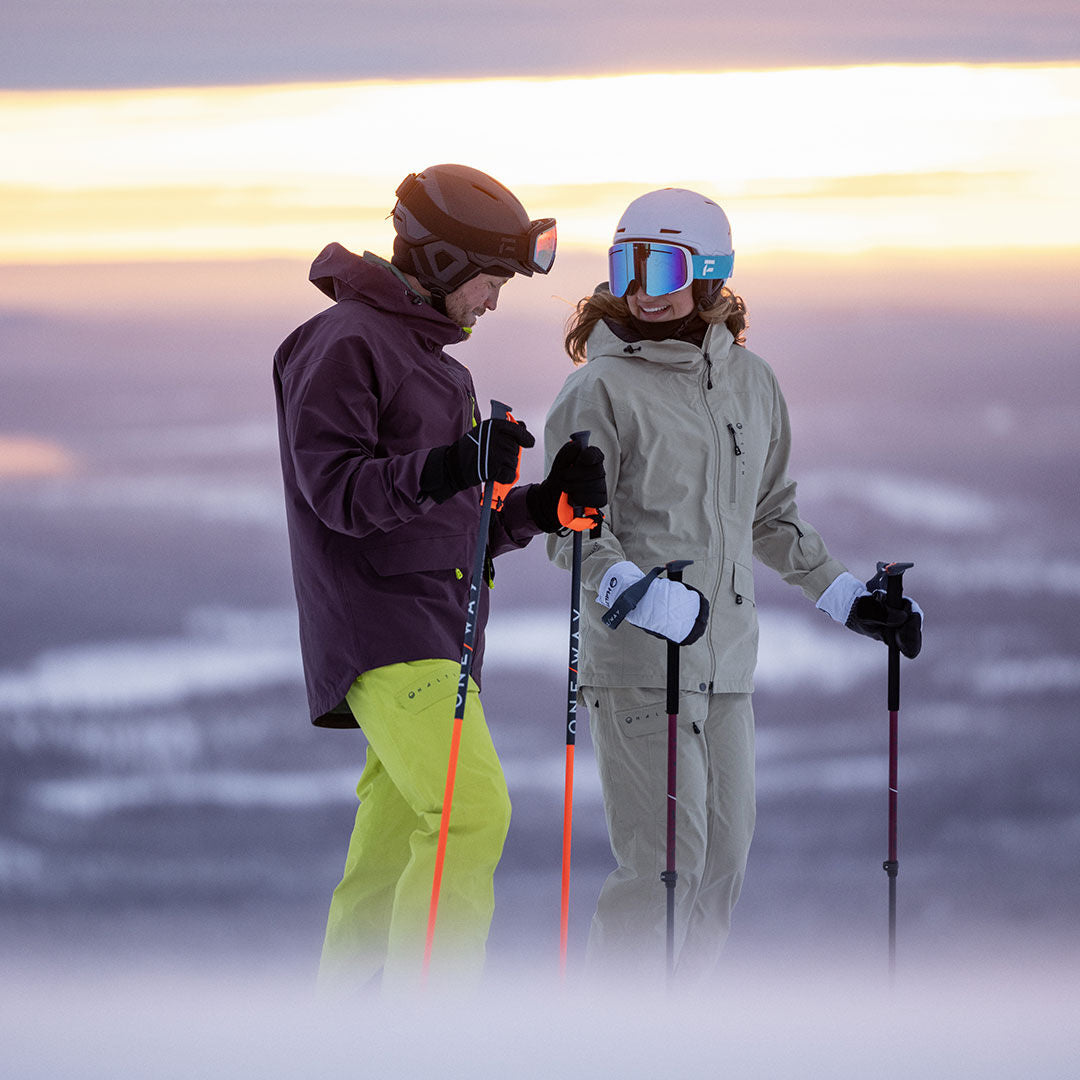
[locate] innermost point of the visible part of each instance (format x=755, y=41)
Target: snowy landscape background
x=164, y=801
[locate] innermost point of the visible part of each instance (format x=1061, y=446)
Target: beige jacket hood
x=696, y=444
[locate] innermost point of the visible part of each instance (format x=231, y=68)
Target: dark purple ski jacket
x=364, y=391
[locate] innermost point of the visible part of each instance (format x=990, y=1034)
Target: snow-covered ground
x=982, y=1023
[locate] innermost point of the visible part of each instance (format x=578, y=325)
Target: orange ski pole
x=582, y=438
x=498, y=411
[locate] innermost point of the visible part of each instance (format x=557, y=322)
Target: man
x=384, y=453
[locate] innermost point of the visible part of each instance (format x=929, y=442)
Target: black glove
x=577, y=470
x=490, y=451
x=899, y=626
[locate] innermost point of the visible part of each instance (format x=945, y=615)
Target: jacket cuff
x=514, y=517
x=540, y=509
x=837, y=600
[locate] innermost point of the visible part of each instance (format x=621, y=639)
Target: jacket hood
x=344, y=275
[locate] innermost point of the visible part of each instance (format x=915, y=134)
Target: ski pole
x=670, y=874
x=498, y=411
x=893, y=573
x=582, y=439
x=626, y=602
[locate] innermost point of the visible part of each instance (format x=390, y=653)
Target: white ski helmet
x=675, y=217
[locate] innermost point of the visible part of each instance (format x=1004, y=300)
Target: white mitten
x=669, y=609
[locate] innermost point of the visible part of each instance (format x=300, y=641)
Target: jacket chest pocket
x=736, y=453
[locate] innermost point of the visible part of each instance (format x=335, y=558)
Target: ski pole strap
x=630, y=598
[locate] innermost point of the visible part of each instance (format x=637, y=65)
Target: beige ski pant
x=714, y=826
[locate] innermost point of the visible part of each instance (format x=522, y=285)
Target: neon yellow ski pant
x=379, y=912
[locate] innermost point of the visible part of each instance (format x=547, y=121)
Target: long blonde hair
x=726, y=308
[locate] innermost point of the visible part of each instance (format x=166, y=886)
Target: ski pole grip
x=582, y=440
x=893, y=573
x=674, y=572
x=499, y=490
x=579, y=518
x=894, y=590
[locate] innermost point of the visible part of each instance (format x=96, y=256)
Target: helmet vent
x=676, y=231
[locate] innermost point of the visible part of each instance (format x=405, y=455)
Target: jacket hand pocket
x=742, y=583
x=419, y=556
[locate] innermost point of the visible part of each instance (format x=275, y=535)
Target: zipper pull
x=708, y=371
x=735, y=441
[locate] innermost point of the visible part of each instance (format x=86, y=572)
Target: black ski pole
x=670, y=874
x=498, y=411
x=893, y=573
x=618, y=611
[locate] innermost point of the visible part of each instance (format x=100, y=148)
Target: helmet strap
x=438, y=300
x=405, y=259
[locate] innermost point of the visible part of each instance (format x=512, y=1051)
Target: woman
x=695, y=437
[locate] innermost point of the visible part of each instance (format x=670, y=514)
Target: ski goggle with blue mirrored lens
x=660, y=269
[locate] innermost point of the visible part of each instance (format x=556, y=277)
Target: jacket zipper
x=717, y=441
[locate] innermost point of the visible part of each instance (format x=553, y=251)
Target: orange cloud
x=22, y=457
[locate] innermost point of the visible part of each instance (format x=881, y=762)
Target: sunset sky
x=142, y=131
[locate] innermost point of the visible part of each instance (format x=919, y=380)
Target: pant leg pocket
x=634, y=712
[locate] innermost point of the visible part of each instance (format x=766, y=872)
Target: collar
x=692, y=329
x=613, y=339
x=385, y=264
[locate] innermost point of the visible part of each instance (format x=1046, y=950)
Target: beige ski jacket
x=696, y=444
